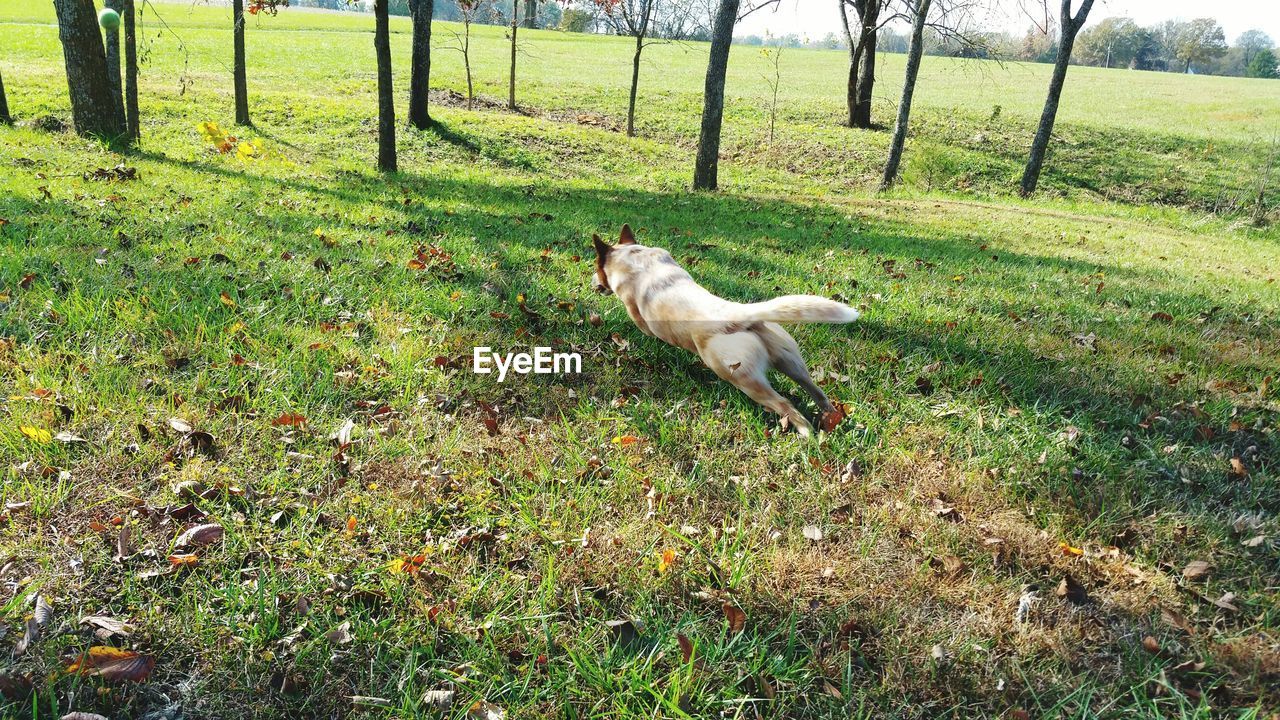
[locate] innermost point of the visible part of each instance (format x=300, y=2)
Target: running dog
x=739, y=342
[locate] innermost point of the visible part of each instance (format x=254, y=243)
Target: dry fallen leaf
x=200, y=535
x=113, y=664
x=1071, y=590
x=686, y=647
x=1197, y=570
x=736, y=617
x=812, y=533
x=340, y=635
x=1150, y=645
x=107, y=627
x=438, y=699
x=83, y=716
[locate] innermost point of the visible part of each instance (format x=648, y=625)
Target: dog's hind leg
x=742, y=359
x=784, y=354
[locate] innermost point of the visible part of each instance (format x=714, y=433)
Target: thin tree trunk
x=531, y=14
x=239, y=74
x=867, y=65
x=707, y=165
x=92, y=109
x=855, y=53
x=5, y=117
x=515, y=24
x=1040, y=145
x=420, y=72
x=113, y=60
x=386, y=104
x=466, y=58
x=131, y=115
x=635, y=86
x=914, y=51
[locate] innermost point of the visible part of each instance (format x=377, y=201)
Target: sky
x=816, y=18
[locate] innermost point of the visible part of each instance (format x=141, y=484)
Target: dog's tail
x=800, y=309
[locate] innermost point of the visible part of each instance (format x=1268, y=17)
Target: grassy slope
x=1034, y=432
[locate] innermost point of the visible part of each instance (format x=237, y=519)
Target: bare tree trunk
x=420, y=71
x=914, y=51
x=239, y=74
x=635, y=86
x=531, y=14
x=867, y=65
x=1070, y=26
x=113, y=60
x=707, y=166
x=131, y=73
x=92, y=109
x=855, y=54
x=386, y=104
x=515, y=24
x=5, y=117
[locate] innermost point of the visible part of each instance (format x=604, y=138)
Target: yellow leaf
x=625, y=440
x=666, y=559
x=36, y=434
x=226, y=300
x=1068, y=550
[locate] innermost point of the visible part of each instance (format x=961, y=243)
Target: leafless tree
x=951, y=19
x=468, y=9
x=386, y=103
x=420, y=11
x=132, y=120
x=871, y=15
x=1069, y=25
x=707, y=164
x=632, y=18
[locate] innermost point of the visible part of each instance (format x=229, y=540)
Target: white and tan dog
x=740, y=342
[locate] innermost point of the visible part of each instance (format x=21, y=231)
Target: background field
x=1068, y=400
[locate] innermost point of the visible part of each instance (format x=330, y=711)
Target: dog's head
x=609, y=257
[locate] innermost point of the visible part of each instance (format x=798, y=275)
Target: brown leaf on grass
x=950, y=565
x=1227, y=602
x=831, y=419
x=943, y=510
x=1161, y=316
x=438, y=699
x=1197, y=570
x=340, y=635
x=104, y=627
x=1151, y=645
x=686, y=647
x=14, y=686
x=289, y=419
x=124, y=543
x=924, y=385
x=200, y=535
x=178, y=560
x=1071, y=590
x=1173, y=618
x=1237, y=467
x=113, y=664
x=736, y=617
x=594, y=320
x=179, y=425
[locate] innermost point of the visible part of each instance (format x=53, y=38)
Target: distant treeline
x=1185, y=46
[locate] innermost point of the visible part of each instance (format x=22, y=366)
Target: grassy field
x=1057, y=409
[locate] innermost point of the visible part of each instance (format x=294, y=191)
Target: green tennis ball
x=109, y=19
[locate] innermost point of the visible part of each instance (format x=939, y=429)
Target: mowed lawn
x=1054, y=496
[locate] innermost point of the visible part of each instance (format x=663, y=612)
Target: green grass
x=1013, y=364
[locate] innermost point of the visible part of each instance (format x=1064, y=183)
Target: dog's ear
x=602, y=247
x=627, y=237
